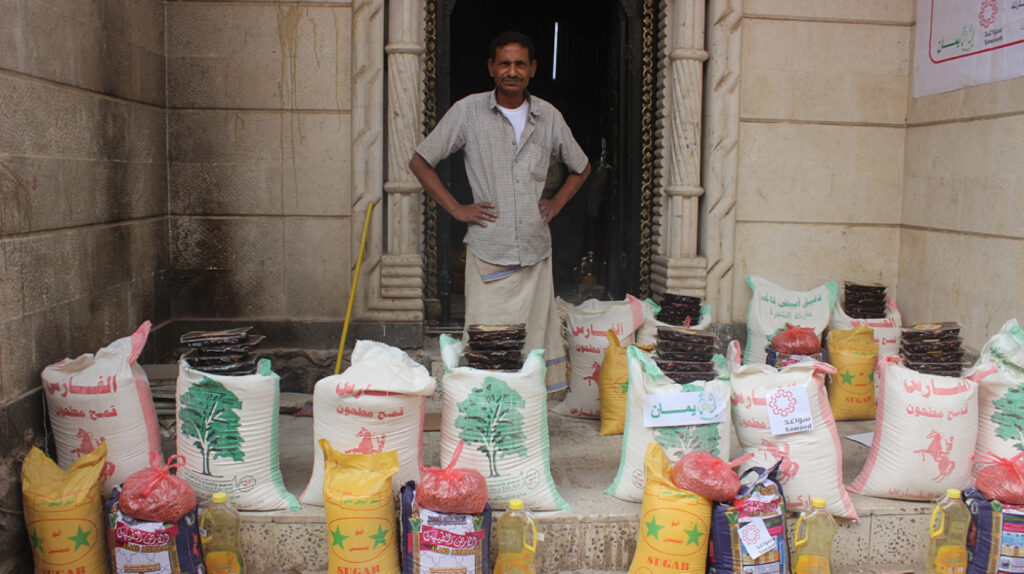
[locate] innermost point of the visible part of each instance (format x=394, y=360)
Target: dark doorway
x=590, y=69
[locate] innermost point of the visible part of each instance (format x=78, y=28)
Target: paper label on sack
x=755, y=538
x=789, y=410
x=863, y=438
x=679, y=409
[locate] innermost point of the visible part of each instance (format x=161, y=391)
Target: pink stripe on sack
x=139, y=340
x=419, y=441
x=637, y=307
x=825, y=413
x=142, y=388
x=880, y=368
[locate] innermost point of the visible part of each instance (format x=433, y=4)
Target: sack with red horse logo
x=104, y=399
x=377, y=404
x=925, y=433
x=783, y=414
x=586, y=326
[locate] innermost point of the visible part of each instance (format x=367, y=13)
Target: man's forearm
x=572, y=184
x=475, y=213
x=431, y=183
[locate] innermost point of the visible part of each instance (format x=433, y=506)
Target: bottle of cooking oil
x=812, y=541
x=517, y=541
x=218, y=529
x=947, y=543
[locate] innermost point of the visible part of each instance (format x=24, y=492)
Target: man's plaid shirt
x=508, y=175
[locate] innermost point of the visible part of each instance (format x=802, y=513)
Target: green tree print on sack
x=1009, y=417
x=678, y=441
x=208, y=415
x=491, y=419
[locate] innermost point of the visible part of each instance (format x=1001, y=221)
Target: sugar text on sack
x=669, y=563
x=375, y=569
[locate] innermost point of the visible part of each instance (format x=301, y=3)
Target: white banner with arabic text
x=962, y=43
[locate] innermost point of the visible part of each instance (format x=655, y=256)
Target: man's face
x=512, y=69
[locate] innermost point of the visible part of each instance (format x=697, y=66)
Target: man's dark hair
x=511, y=37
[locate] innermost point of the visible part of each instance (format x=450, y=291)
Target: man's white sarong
x=504, y=295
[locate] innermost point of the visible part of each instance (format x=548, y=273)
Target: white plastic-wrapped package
x=228, y=434
x=772, y=308
x=104, y=399
x=586, y=325
x=708, y=429
x=925, y=433
x=503, y=419
x=784, y=414
x=377, y=404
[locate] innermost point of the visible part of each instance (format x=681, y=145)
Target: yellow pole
x=352, y=292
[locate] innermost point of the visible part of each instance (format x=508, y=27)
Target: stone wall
x=842, y=175
x=962, y=242
x=83, y=203
x=823, y=92
x=259, y=98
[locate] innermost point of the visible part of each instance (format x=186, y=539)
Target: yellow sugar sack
x=64, y=513
x=851, y=392
x=362, y=531
x=612, y=383
x=675, y=524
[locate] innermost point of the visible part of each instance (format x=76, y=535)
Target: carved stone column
x=390, y=286
x=721, y=139
x=677, y=267
x=402, y=263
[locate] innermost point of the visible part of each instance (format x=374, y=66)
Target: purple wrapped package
x=436, y=541
x=995, y=542
x=158, y=547
x=760, y=506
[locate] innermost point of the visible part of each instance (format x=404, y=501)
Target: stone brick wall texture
x=84, y=252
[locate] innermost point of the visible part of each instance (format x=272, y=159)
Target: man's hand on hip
x=549, y=208
x=476, y=214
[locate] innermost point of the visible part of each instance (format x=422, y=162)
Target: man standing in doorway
x=509, y=138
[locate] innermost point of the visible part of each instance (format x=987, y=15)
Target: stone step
x=875, y=569
x=598, y=534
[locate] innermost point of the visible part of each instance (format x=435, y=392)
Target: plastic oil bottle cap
x=953, y=493
x=818, y=502
x=220, y=497
x=515, y=504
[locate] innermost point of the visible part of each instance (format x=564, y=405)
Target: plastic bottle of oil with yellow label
x=947, y=541
x=218, y=529
x=812, y=541
x=517, y=541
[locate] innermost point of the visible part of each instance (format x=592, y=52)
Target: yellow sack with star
x=361, y=525
x=64, y=513
x=674, y=523
x=851, y=391
x=612, y=383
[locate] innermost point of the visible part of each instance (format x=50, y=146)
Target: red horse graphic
x=788, y=468
x=366, y=445
x=593, y=377
x=88, y=445
x=939, y=454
